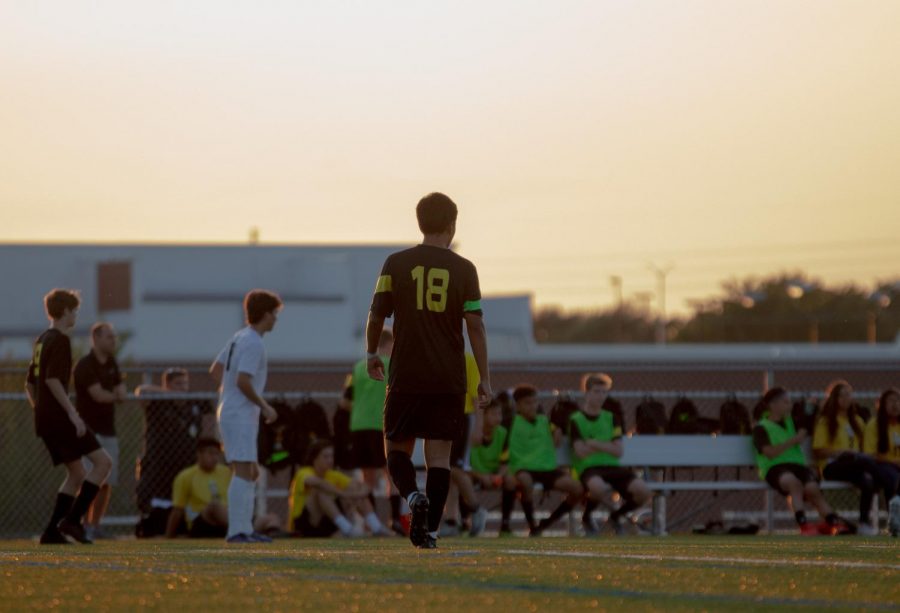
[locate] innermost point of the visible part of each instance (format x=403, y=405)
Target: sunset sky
x=580, y=139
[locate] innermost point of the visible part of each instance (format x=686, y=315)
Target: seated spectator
x=172, y=425
x=837, y=446
x=532, y=458
x=596, y=436
x=782, y=463
x=200, y=497
x=324, y=500
x=882, y=442
x=487, y=457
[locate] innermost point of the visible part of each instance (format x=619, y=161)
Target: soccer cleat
x=257, y=537
x=75, y=531
x=53, y=536
x=418, y=525
x=479, y=519
x=538, y=530
x=808, y=529
x=239, y=539
x=504, y=532
x=430, y=543
x=867, y=530
x=894, y=516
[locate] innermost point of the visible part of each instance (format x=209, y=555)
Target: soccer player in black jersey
x=430, y=291
x=56, y=421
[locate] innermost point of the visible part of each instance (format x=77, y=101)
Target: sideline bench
x=699, y=451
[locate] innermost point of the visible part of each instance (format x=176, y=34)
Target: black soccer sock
x=563, y=508
x=60, y=509
x=800, y=516
x=83, y=502
x=437, y=486
x=403, y=473
x=628, y=507
x=528, y=509
x=506, y=506
x=395, y=506
x=589, y=507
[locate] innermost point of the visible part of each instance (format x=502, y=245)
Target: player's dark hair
x=883, y=419
x=258, y=302
x=435, y=212
x=762, y=407
x=830, y=410
x=524, y=391
x=595, y=378
x=170, y=374
x=58, y=301
x=205, y=442
x=316, y=448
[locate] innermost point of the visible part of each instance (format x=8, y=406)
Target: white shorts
x=239, y=439
x=110, y=445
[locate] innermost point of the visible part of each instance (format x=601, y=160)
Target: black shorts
x=202, y=529
x=324, y=529
x=804, y=473
x=65, y=446
x=618, y=478
x=460, y=448
x=367, y=449
x=428, y=416
x=546, y=477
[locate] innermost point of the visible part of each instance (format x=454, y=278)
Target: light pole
x=661, y=274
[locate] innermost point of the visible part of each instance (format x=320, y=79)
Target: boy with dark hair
x=532, y=459
x=56, y=421
x=322, y=498
x=488, y=455
x=596, y=435
x=240, y=371
x=98, y=386
x=430, y=291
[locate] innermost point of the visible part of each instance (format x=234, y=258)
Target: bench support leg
x=659, y=514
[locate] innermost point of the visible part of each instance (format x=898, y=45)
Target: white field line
x=683, y=558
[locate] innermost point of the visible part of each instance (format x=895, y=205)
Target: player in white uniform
x=240, y=372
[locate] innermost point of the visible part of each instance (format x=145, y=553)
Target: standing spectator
x=837, y=445
x=882, y=441
x=98, y=387
x=782, y=463
x=172, y=425
x=58, y=424
x=532, y=459
x=367, y=427
x=240, y=370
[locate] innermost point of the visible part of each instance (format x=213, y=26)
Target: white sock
x=343, y=525
x=433, y=535
x=241, y=500
x=373, y=522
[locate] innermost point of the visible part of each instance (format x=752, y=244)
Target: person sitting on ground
x=532, y=458
x=596, y=448
x=882, y=442
x=324, y=500
x=487, y=457
x=782, y=463
x=200, y=497
x=837, y=445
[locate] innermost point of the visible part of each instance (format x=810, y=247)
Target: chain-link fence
x=157, y=435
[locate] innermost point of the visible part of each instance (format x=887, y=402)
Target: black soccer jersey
x=99, y=416
x=52, y=359
x=428, y=290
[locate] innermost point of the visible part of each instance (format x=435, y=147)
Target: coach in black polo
x=98, y=386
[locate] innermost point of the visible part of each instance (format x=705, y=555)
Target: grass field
x=550, y=574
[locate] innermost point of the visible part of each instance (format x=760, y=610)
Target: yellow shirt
x=473, y=378
x=194, y=489
x=870, y=441
x=845, y=438
x=299, y=491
